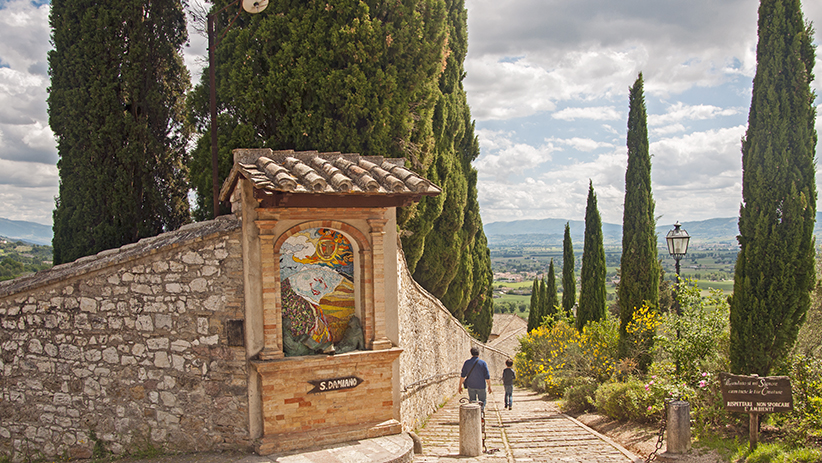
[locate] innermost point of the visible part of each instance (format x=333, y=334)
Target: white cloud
x=509, y=157
x=195, y=53
x=595, y=48
x=666, y=130
x=695, y=176
x=680, y=111
x=597, y=113
x=581, y=144
x=24, y=133
x=559, y=193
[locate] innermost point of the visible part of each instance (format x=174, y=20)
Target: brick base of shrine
x=310, y=400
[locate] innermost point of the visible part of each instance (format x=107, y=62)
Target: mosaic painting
x=317, y=289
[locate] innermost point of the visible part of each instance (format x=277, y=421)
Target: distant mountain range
x=522, y=232
x=720, y=231
x=19, y=230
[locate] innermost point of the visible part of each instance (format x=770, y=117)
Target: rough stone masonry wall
x=129, y=345
x=435, y=346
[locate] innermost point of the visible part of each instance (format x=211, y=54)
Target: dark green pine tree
x=535, y=307
x=550, y=301
x=372, y=77
x=569, y=281
x=116, y=107
x=593, y=272
x=775, y=267
x=639, y=278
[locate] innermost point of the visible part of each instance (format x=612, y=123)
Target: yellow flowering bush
x=640, y=331
x=553, y=357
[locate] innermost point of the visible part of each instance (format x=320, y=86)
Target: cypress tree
x=116, y=107
x=536, y=308
x=551, y=301
x=593, y=272
x=775, y=267
x=372, y=77
x=639, y=279
x=569, y=284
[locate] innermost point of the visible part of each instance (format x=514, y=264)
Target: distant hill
x=551, y=232
x=19, y=230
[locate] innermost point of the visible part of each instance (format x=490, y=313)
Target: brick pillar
x=272, y=304
x=381, y=341
x=367, y=297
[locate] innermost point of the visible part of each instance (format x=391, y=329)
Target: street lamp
x=253, y=7
x=677, y=247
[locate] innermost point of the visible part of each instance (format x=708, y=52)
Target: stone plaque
x=334, y=384
x=754, y=394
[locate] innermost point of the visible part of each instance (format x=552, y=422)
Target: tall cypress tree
x=536, y=307
x=373, y=77
x=116, y=107
x=569, y=283
x=775, y=267
x=639, y=279
x=550, y=301
x=593, y=272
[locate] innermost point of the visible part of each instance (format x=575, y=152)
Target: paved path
x=535, y=430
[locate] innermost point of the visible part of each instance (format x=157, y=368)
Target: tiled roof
x=313, y=172
x=508, y=328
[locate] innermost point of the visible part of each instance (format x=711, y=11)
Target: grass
x=737, y=450
x=519, y=285
x=776, y=453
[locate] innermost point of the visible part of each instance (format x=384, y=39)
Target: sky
x=547, y=82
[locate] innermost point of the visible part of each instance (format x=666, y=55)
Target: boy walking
x=508, y=376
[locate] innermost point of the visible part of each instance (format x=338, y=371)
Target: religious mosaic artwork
x=317, y=292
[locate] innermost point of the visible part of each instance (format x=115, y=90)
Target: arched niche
x=319, y=292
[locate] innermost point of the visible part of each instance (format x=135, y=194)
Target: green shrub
x=626, y=401
x=580, y=395
x=804, y=422
x=698, y=339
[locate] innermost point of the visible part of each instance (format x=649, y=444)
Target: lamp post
x=677, y=247
x=253, y=7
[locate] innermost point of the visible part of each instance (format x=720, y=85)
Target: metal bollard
x=679, y=427
x=470, y=430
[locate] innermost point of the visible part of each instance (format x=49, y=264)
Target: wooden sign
x=334, y=384
x=754, y=394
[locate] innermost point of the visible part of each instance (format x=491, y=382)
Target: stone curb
x=606, y=439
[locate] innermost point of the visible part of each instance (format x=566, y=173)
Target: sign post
x=756, y=395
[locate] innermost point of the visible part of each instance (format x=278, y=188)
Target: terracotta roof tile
x=329, y=173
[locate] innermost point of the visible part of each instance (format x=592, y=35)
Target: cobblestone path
x=534, y=431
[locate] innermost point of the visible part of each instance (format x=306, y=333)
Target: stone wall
x=435, y=346
x=134, y=347
x=143, y=346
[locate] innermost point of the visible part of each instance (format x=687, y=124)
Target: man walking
x=475, y=376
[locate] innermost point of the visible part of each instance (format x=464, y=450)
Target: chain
x=662, y=425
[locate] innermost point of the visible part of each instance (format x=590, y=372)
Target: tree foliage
x=550, y=300
x=639, y=277
x=372, y=77
x=534, y=319
x=592, y=294
x=775, y=267
x=569, y=281
x=116, y=108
